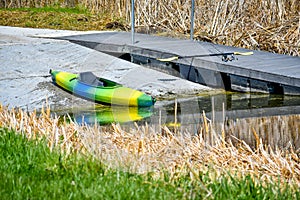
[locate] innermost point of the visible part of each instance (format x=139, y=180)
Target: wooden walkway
x=261, y=72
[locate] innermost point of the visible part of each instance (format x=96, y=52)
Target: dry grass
x=271, y=25
x=140, y=149
x=276, y=131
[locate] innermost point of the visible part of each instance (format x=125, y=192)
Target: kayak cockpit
x=91, y=79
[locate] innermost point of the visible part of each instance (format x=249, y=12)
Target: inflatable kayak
x=100, y=90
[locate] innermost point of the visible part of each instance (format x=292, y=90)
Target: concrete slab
x=26, y=61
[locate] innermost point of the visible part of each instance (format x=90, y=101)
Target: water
x=188, y=111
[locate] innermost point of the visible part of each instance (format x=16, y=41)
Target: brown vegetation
x=141, y=149
x=53, y=20
x=271, y=25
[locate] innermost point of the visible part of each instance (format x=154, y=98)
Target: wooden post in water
x=192, y=20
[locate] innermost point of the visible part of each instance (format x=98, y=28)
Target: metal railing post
x=192, y=20
x=132, y=22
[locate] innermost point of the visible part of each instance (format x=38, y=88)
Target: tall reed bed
x=271, y=25
x=140, y=149
x=275, y=131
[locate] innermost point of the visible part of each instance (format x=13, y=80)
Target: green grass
x=28, y=170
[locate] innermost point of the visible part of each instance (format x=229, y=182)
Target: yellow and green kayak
x=100, y=90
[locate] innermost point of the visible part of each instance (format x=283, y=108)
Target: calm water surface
x=187, y=111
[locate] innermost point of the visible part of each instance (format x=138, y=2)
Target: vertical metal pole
x=192, y=20
x=132, y=22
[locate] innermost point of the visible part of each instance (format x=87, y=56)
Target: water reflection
x=224, y=106
x=189, y=111
x=109, y=114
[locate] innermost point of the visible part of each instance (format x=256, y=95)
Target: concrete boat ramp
x=261, y=72
x=26, y=59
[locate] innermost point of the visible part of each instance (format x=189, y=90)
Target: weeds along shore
x=142, y=150
x=269, y=25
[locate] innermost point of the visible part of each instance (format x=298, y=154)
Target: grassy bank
x=76, y=18
x=63, y=158
x=29, y=170
x=268, y=25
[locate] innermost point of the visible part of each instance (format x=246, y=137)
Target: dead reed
x=270, y=25
x=140, y=149
x=275, y=131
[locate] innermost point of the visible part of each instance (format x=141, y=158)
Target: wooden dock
x=261, y=72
